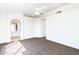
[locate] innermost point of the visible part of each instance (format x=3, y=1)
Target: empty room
x=39, y=29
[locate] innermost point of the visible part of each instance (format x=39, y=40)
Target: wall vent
x=58, y=12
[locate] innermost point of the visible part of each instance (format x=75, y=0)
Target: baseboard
x=35, y=38
x=38, y=37
x=63, y=44
x=5, y=42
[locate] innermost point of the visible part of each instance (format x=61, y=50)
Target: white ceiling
x=46, y=7
x=30, y=8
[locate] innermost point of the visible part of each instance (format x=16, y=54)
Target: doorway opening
x=15, y=30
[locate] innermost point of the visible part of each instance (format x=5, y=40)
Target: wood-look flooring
x=36, y=46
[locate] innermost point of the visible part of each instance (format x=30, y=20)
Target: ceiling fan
x=38, y=12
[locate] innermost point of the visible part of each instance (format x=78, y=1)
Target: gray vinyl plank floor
x=36, y=46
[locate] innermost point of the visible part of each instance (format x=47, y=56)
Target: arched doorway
x=15, y=30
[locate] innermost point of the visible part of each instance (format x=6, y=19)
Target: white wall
x=5, y=24
x=43, y=27
x=33, y=27
x=37, y=27
x=64, y=27
x=4, y=35
x=15, y=15
x=28, y=28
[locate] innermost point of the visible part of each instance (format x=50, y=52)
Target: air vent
x=58, y=12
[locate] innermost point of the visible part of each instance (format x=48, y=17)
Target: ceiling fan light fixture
x=36, y=13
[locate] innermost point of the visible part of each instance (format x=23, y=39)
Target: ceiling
x=45, y=8
x=31, y=9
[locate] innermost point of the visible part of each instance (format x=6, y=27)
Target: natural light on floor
x=14, y=48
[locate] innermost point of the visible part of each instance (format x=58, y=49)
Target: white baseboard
x=4, y=42
x=33, y=37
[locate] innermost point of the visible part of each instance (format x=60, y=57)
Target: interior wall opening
x=15, y=30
